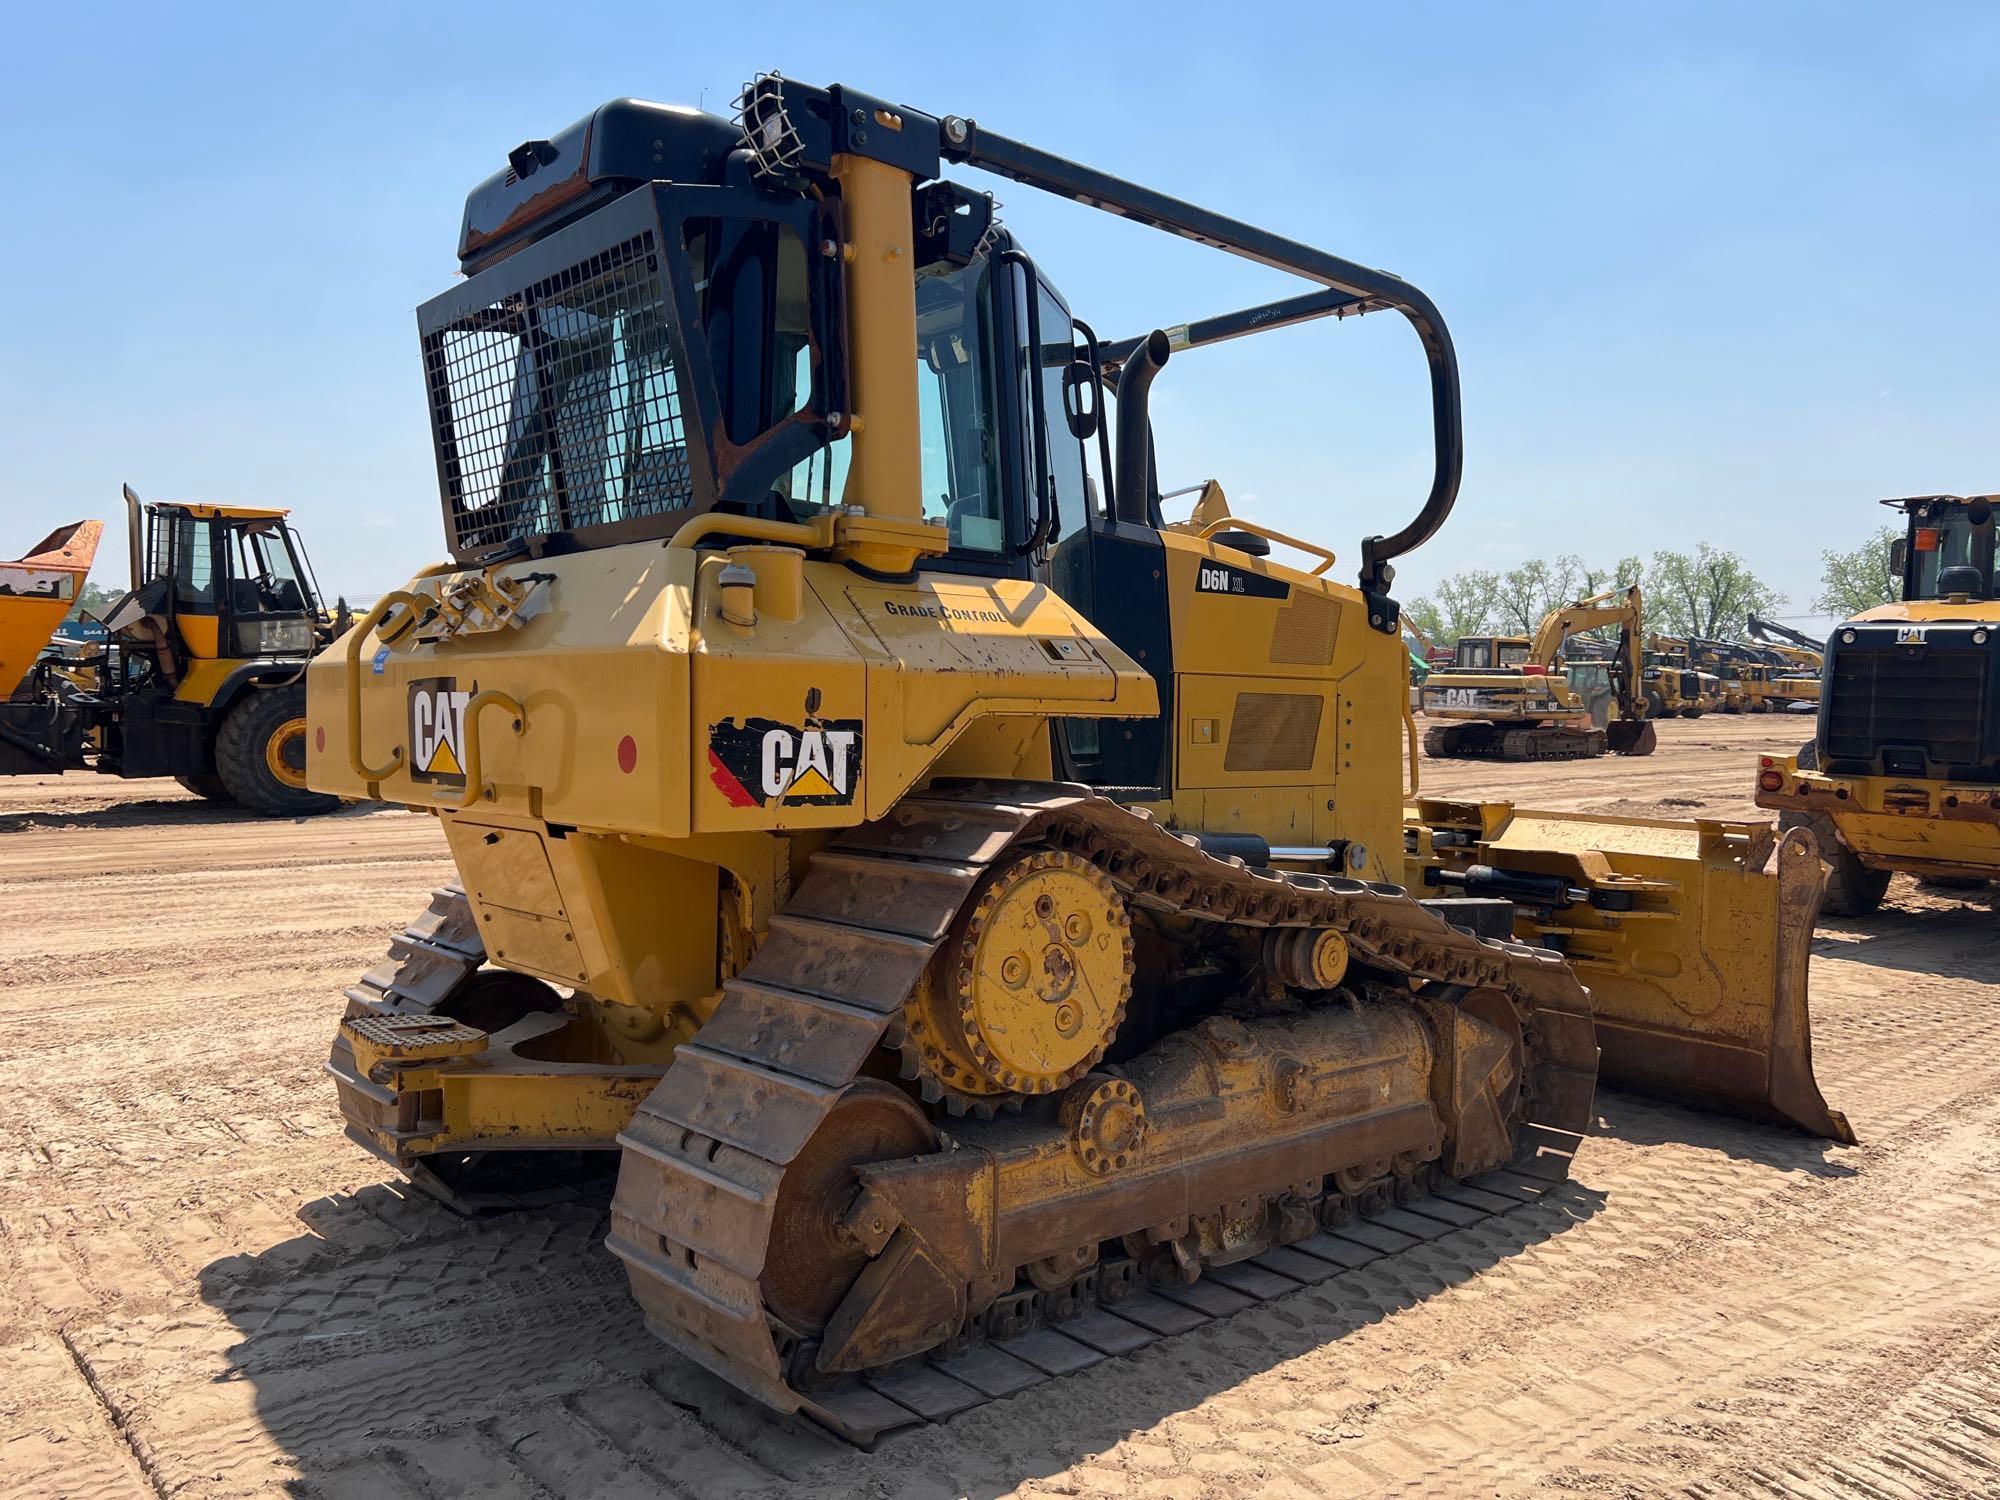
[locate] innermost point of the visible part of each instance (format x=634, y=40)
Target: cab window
x=195, y=563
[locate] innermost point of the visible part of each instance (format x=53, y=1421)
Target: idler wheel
x=812, y=1259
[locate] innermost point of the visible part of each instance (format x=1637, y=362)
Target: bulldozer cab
x=232, y=582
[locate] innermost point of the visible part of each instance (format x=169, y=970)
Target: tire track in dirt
x=1709, y=1309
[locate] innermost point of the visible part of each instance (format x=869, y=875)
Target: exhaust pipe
x=1133, y=491
x=133, y=534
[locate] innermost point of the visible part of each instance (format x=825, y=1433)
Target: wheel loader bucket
x=36, y=591
x=1693, y=941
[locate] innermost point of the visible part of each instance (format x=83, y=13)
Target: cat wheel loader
x=1672, y=683
x=201, y=672
x=1903, y=770
x=1541, y=707
x=978, y=916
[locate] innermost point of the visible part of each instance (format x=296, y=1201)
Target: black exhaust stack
x=1133, y=492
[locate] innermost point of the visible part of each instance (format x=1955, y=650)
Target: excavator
x=978, y=918
x=199, y=674
x=1540, y=707
x=1801, y=658
x=1903, y=770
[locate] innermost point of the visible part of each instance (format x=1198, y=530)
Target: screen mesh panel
x=556, y=404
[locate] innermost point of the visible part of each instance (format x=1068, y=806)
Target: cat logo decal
x=763, y=763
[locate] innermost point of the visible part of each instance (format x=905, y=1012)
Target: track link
x=706, y=1154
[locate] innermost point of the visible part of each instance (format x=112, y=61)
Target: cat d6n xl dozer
x=980, y=915
x=1540, y=707
x=1903, y=772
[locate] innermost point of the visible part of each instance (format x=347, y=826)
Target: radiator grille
x=1877, y=695
x=1305, y=630
x=1273, y=732
x=556, y=405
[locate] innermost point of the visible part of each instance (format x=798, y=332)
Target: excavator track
x=733, y=1129
x=1483, y=741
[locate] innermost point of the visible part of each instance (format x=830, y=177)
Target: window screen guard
x=574, y=390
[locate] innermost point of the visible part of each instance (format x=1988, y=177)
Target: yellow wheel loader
x=1903, y=772
x=201, y=672
x=1538, y=706
x=979, y=919
x=1673, y=684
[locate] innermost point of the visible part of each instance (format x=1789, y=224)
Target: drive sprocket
x=1028, y=991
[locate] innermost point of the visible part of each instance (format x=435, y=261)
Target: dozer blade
x=1693, y=940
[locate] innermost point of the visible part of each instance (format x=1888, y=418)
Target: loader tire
x=1693, y=711
x=1656, y=706
x=209, y=787
x=260, y=754
x=1852, y=889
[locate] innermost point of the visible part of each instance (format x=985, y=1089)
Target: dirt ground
x=209, y=1291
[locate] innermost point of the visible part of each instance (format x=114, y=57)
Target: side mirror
x=1080, y=396
x=1899, y=556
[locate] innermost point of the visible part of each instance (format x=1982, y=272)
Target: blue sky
x=1714, y=272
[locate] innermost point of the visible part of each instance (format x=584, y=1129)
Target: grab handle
x=367, y=626
x=475, y=781
x=1237, y=523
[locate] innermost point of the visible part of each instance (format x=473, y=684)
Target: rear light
x=1927, y=538
x=1769, y=781
x=1766, y=762
x=1533, y=669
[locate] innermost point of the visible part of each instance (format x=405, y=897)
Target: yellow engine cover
x=643, y=711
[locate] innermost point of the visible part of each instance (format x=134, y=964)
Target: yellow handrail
x=475, y=780
x=1410, y=739
x=367, y=626
x=1237, y=523
x=815, y=535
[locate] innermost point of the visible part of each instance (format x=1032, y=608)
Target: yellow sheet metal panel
x=599, y=664
x=1260, y=731
x=37, y=590
x=645, y=711
x=205, y=676
x=201, y=634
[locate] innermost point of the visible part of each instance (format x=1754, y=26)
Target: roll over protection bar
x=1349, y=288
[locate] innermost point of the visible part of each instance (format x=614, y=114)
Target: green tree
x=1463, y=604
x=1706, y=593
x=1851, y=582
x=92, y=600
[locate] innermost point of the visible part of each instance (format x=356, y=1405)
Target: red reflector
x=319, y=739
x=1769, y=781
x=1926, y=539
x=1766, y=762
x=1533, y=669
x=628, y=754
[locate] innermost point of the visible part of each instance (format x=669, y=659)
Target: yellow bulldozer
x=196, y=672
x=1903, y=772
x=1538, y=706
x=978, y=918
